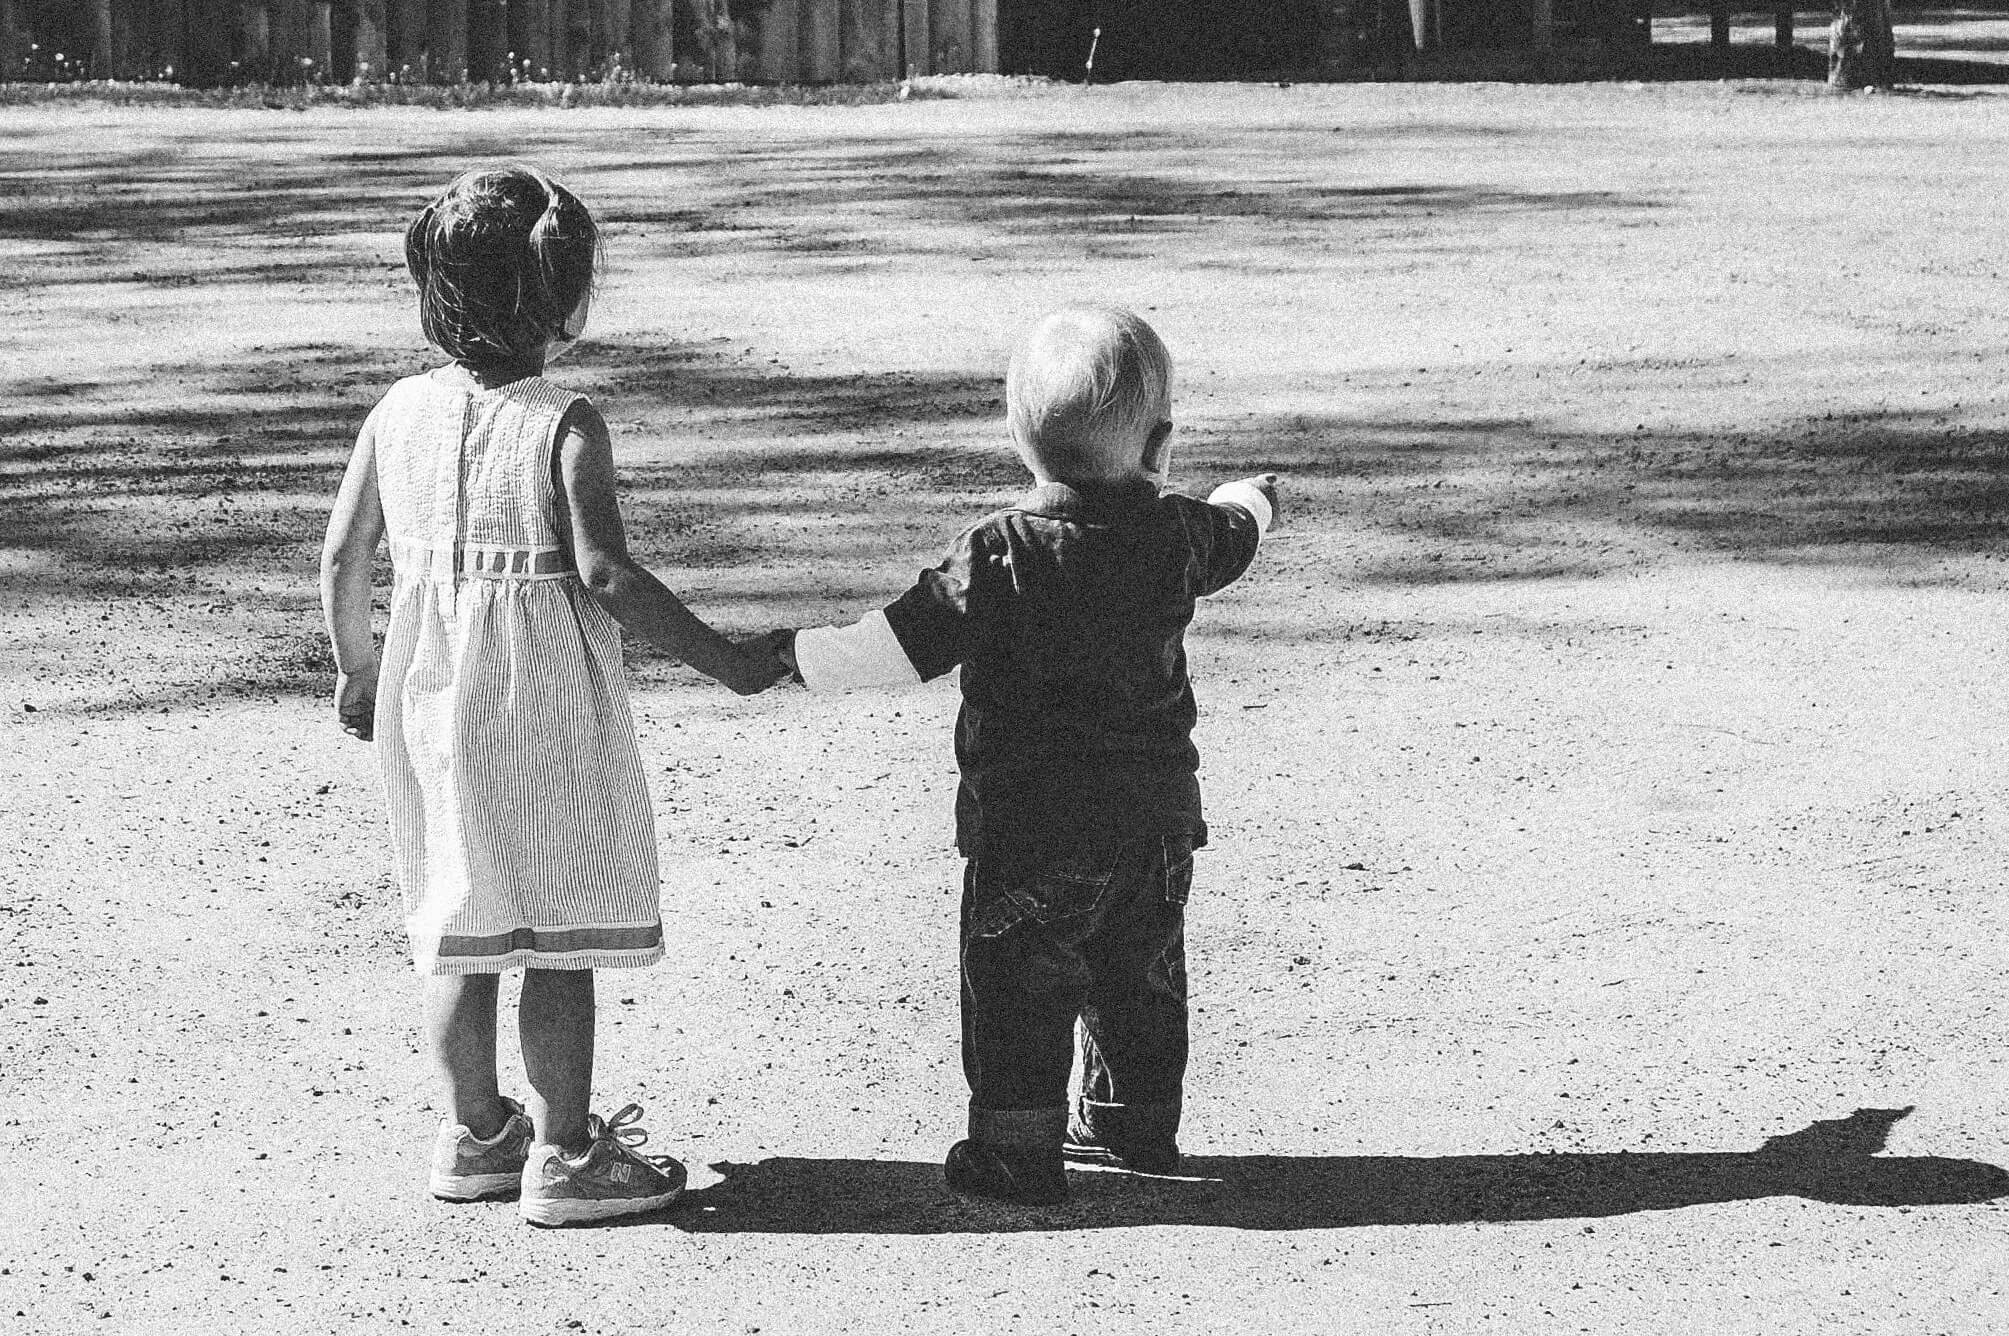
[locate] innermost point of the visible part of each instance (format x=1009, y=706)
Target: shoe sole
x=1102, y=1155
x=475, y=1187
x=1082, y=1150
x=556, y=1212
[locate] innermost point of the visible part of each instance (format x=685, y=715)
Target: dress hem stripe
x=549, y=960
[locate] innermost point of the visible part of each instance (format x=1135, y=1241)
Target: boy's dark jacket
x=1068, y=613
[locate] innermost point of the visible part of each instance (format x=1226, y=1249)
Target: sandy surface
x=1604, y=761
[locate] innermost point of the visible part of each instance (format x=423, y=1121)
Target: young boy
x=1079, y=809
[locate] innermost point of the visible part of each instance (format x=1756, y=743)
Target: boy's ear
x=1157, y=446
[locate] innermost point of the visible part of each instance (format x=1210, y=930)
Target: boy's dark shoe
x=1143, y=1154
x=1022, y=1175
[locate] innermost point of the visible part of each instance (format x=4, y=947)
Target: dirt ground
x=1603, y=930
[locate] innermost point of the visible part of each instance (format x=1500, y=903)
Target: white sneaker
x=470, y=1168
x=608, y=1180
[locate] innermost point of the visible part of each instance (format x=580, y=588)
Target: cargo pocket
x=1053, y=893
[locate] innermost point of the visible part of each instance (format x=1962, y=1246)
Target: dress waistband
x=482, y=561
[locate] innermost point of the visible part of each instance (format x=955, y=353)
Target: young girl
x=520, y=821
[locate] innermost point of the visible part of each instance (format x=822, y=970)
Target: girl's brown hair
x=501, y=259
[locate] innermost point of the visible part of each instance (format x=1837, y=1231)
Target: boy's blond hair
x=1086, y=389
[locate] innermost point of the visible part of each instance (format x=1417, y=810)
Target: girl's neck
x=495, y=377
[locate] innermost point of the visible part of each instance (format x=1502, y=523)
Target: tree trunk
x=655, y=45
x=1862, y=51
x=447, y=41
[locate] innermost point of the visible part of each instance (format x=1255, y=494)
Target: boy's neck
x=1101, y=482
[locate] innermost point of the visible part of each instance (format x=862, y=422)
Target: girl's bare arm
x=355, y=528
x=634, y=597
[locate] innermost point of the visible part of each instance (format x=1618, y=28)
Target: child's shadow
x=1834, y=1161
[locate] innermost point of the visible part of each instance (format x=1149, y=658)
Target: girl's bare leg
x=460, y=1029
x=555, y=1022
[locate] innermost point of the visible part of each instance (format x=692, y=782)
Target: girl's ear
x=1158, y=449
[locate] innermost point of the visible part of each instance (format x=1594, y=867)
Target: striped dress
x=520, y=819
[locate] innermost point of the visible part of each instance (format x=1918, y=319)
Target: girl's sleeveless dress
x=520, y=818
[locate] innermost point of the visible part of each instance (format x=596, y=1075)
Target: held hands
x=769, y=659
x=356, y=702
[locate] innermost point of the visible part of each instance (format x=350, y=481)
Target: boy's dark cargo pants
x=1093, y=930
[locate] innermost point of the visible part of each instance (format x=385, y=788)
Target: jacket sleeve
x=934, y=620
x=1225, y=532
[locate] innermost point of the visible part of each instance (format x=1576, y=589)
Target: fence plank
x=207, y=43
x=404, y=39
x=949, y=33
x=288, y=39
x=372, y=33
x=13, y=51
x=487, y=38
x=529, y=38
x=820, y=62
x=986, y=21
x=780, y=41
x=865, y=40
x=254, y=40
x=166, y=25
x=447, y=41
x=320, y=41
x=611, y=45
x=572, y=39
x=914, y=37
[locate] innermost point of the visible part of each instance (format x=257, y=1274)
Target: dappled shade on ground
x=191, y=458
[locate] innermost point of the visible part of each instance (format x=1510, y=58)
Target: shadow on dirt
x=114, y=211
x=1499, y=498
x=1833, y=1161
x=210, y=480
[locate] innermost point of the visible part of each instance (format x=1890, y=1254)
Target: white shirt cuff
x=1249, y=497
x=845, y=658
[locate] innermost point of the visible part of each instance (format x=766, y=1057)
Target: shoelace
x=623, y=1135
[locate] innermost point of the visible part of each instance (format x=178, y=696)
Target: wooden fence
x=207, y=42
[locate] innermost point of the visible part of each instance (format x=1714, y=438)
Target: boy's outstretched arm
x=1241, y=513
x=630, y=594
x=355, y=528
